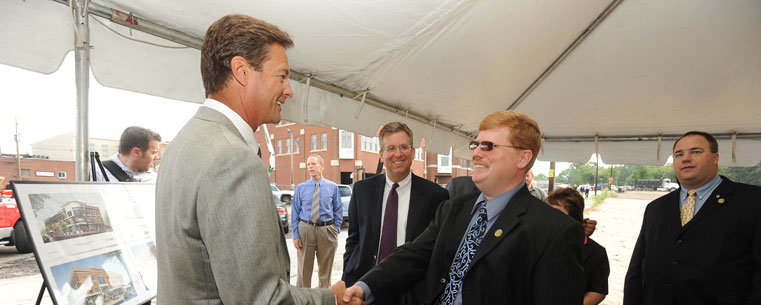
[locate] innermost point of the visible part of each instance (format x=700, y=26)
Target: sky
x=45, y=107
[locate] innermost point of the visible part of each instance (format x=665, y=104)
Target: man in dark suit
x=500, y=246
x=702, y=243
x=369, y=218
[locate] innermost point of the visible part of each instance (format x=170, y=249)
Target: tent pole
x=82, y=78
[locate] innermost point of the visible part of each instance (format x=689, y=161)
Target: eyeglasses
x=392, y=149
x=488, y=146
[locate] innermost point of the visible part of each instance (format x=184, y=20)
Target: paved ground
x=618, y=223
x=619, y=220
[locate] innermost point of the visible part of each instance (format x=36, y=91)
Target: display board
x=94, y=242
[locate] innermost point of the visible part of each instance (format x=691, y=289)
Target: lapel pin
x=717, y=196
x=498, y=233
x=721, y=200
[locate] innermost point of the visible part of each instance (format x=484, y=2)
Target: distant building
x=35, y=168
x=347, y=155
x=111, y=287
x=62, y=147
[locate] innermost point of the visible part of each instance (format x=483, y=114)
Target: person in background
x=138, y=149
x=317, y=216
x=595, y=258
x=532, y=188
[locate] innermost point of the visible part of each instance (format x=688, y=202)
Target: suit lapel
x=672, y=217
x=461, y=216
x=712, y=202
x=416, y=206
x=507, y=221
x=375, y=207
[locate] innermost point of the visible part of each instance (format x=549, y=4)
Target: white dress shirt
x=245, y=130
x=403, y=207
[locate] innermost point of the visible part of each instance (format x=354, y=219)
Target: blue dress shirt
x=331, y=207
x=701, y=193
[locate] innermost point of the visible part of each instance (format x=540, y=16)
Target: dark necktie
x=464, y=256
x=388, y=235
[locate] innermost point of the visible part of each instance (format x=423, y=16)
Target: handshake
x=352, y=296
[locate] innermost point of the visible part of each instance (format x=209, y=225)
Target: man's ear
x=136, y=151
x=525, y=158
x=239, y=69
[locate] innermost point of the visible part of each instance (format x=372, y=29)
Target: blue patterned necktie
x=464, y=256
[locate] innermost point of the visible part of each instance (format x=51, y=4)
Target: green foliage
x=581, y=173
x=749, y=175
x=600, y=197
x=541, y=177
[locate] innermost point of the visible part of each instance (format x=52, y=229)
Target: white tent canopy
x=624, y=71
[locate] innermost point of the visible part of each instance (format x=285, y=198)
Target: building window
x=279, y=147
x=92, y=147
x=296, y=145
x=62, y=174
x=419, y=154
x=287, y=146
x=370, y=144
x=104, y=150
x=324, y=141
x=314, y=142
x=26, y=173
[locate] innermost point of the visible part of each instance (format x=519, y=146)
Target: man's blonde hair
x=524, y=131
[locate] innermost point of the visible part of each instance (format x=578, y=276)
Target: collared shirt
x=140, y=176
x=403, y=208
x=243, y=128
x=494, y=208
x=701, y=193
x=331, y=208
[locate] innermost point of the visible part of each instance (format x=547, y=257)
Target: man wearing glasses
x=499, y=246
x=388, y=210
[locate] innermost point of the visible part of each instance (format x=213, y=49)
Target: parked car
x=345, y=199
x=12, y=230
x=282, y=213
x=283, y=195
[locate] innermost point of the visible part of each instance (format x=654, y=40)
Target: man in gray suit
x=217, y=231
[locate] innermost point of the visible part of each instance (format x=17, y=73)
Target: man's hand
x=589, y=226
x=339, y=289
x=297, y=241
x=354, y=292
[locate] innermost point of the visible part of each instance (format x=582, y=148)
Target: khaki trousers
x=321, y=241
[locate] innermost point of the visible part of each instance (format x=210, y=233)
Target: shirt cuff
x=368, y=294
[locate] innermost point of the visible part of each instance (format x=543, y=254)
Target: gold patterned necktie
x=688, y=209
x=315, y=217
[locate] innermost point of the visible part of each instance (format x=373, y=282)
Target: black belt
x=317, y=224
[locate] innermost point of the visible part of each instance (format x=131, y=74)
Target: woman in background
x=595, y=259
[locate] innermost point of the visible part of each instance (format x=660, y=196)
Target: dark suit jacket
x=462, y=185
x=714, y=259
x=535, y=260
x=365, y=220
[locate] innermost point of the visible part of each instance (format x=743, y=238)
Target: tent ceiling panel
x=647, y=68
x=671, y=67
x=26, y=39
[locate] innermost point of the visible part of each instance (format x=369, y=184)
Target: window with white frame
x=314, y=142
x=279, y=147
x=296, y=145
x=61, y=174
x=324, y=141
x=419, y=154
x=287, y=146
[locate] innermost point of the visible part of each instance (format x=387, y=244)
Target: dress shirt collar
x=115, y=159
x=403, y=183
x=318, y=181
x=703, y=190
x=495, y=206
x=243, y=128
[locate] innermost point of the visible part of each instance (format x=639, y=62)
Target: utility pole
x=551, y=181
x=18, y=157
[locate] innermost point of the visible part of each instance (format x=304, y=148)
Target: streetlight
x=291, y=153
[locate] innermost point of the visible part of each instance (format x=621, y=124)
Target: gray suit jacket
x=217, y=230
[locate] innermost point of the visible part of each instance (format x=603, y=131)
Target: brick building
x=347, y=155
x=36, y=169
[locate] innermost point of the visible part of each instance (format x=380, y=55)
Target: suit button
x=679, y=242
x=669, y=284
x=674, y=262
x=442, y=280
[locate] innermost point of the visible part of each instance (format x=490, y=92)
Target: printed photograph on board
x=145, y=261
x=99, y=279
x=64, y=216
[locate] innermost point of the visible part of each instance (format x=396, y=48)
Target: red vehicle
x=12, y=230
